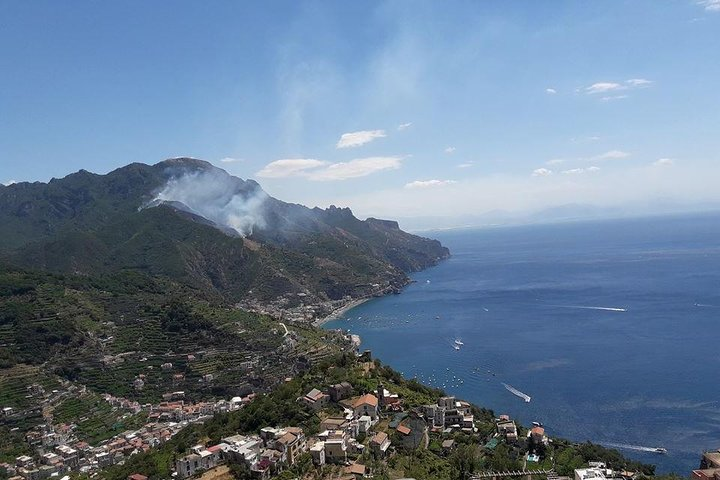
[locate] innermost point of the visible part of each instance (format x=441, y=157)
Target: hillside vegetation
x=92, y=224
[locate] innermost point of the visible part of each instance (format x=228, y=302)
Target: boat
x=661, y=450
x=456, y=347
x=459, y=342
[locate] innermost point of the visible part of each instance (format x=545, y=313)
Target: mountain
x=188, y=221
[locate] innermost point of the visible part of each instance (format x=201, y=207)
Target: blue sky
x=391, y=108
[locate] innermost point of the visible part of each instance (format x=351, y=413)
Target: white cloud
x=466, y=164
x=359, y=167
x=603, y=87
x=710, y=5
x=289, y=167
x=639, y=82
x=577, y=171
x=555, y=161
x=429, y=183
x=404, y=126
x=449, y=149
x=611, y=89
x=318, y=170
x=541, y=172
x=611, y=155
x=356, y=139
x=10, y=182
x=550, y=91
x=231, y=160
x=664, y=162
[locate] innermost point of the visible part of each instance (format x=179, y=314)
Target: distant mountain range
x=561, y=213
x=193, y=223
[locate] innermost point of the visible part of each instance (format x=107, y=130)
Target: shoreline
x=337, y=313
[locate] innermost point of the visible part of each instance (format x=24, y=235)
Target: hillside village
x=348, y=417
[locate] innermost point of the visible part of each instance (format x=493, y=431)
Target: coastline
x=337, y=313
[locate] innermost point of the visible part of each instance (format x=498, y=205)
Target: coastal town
x=354, y=433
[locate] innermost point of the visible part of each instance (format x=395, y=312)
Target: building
x=315, y=399
x=592, y=473
x=317, y=452
x=448, y=446
x=709, y=467
x=291, y=442
x=188, y=465
x=379, y=444
x=537, y=435
x=357, y=470
x=336, y=450
x=507, y=428
x=340, y=391
x=366, y=405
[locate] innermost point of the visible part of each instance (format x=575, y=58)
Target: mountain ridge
x=190, y=221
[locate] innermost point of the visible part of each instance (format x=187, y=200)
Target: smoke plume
x=218, y=197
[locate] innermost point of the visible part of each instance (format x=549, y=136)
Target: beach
x=339, y=312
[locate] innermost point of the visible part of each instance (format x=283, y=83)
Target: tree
x=465, y=461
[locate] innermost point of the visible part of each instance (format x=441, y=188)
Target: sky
x=393, y=108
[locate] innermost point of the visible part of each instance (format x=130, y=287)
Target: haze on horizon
x=396, y=109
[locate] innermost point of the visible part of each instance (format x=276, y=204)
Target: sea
x=612, y=328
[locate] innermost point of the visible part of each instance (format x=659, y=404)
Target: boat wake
x=517, y=392
x=637, y=448
x=606, y=309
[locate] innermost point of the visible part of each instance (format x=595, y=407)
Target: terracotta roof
x=355, y=468
x=287, y=438
x=379, y=438
x=137, y=476
x=214, y=448
x=368, y=398
x=403, y=429
x=538, y=431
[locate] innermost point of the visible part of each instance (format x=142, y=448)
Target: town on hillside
x=350, y=432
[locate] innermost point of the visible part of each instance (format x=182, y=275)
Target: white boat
x=456, y=347
x=459, y=342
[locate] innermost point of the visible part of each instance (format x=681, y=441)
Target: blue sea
x=612, y=327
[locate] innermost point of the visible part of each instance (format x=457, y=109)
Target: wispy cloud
x=360, y=167
x=550, y=91
x=289, y=167
x=610, y=155
x=610, y=98
x=404, y=126
x=611, y=89
x=541, y=172
x=604, y=87
x=429, y=183
x=466, y=164
x=555, y=161
x=231, y=160
x=449, y=149
x=356, y=139
x=664, y=162
x=318, y=170
x=710, y=5
x=639, y=82
x=579, y=171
